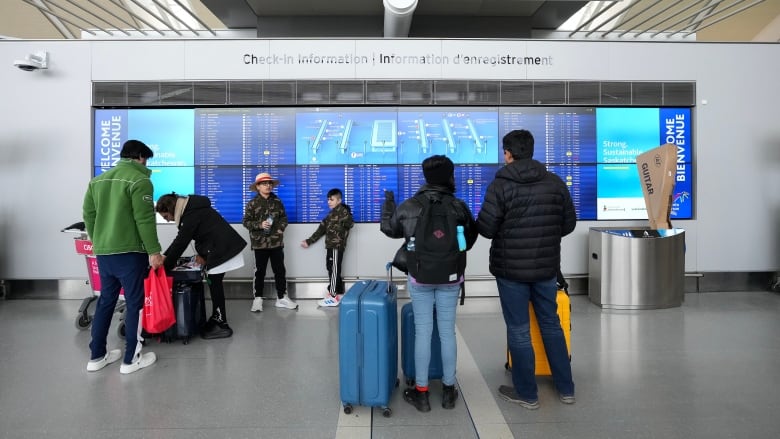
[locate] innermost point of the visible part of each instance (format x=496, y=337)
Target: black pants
x=217, y=291
x=333, y=260
x=276, y=255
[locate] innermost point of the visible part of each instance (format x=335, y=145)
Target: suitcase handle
x=389, y=268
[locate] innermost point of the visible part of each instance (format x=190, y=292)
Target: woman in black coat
x=218, y=246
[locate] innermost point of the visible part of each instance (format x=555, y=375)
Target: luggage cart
x=84, y=247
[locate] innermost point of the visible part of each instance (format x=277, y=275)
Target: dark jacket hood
x=523, y=171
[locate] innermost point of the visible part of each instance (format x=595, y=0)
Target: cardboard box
x=656, y=174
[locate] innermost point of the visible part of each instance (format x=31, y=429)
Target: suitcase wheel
x=83, y=321
x=386, y=412
x=347, y=409
x=84, y=318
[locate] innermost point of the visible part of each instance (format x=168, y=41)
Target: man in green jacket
x=120, y=220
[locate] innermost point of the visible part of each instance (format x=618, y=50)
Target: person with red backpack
x=435, y=263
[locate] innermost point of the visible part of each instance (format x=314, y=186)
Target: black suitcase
x=189, y=304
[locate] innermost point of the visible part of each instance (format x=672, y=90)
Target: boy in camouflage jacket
x=266, y=219
x=335, y=227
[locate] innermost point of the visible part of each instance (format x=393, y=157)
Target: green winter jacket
x=119, y=212
x=335, y=227
x=257, y=210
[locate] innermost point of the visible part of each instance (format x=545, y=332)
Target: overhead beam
x=552, y=14
x=235, y=14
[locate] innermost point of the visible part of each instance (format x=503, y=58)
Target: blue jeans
x=514, y=297
x=424, y=297
x=124, y=270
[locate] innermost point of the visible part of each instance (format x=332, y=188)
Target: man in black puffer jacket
x=526, y=212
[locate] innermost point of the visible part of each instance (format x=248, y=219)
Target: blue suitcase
x=435, y=368
x=368, y=345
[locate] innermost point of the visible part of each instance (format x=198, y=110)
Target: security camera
x=33, y=61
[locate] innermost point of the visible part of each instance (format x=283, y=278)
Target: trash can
x=638, y=268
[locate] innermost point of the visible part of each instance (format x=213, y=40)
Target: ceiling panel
x=513, y=8
x=729, y=20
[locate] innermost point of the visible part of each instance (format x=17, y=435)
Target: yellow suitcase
x=564, y=313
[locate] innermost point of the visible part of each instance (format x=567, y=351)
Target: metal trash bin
x=638, y=268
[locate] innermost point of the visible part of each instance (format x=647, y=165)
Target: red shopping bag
x=158, y=302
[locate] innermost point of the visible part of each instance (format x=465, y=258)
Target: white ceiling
x=713, y=20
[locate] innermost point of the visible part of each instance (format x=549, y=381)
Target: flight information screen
x=240, y=137
x=364, y=151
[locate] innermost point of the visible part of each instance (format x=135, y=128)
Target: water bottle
x=270, y=220
x=461, y=239
x=410, y=245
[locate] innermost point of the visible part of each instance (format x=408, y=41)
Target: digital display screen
x=229, y=188
x=363, y=187
x=241, y=136
x=217, y=152
x=624, y=133
x=345, y=136
x=562, y=135
x=581, y=181
x=465, y=135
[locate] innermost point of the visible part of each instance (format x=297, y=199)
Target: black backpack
x=436, y=258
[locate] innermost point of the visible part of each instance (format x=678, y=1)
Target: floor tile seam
x=356, y=425
x=352, y=432
x=486, y=416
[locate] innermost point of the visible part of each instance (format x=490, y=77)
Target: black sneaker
x=508, y=393
x=448, y=396
x=418, y=399
x=214, y=329
x=208, y=326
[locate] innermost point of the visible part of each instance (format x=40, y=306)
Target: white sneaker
x=285, y=302
x=110, y=357
x=142, y=361
x=330, y=301
x=257, y=305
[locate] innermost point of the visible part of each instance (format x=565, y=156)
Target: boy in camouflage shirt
x=266, y=219
x=335, y=227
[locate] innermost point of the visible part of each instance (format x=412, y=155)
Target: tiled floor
x=709, y=369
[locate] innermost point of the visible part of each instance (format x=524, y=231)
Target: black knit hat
x=439, y=170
